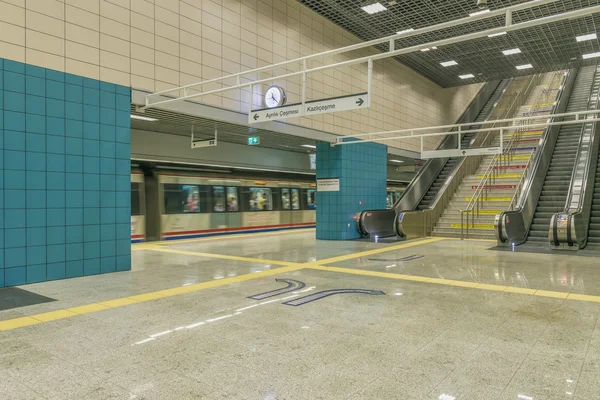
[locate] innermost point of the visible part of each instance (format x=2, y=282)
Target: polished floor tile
x=418, y=341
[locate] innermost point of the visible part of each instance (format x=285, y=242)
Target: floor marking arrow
x=326, y=293
x=292, y=285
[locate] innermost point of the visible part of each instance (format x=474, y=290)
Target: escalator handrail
x=568, y=208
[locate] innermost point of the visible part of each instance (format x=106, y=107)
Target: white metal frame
x=411, y=132
x=195, y=144
x=509, y=26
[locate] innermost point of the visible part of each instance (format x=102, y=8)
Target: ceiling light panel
x=142, y=118
x=479, y=12
x=548, y=47
x=448, y=63
x=583, y=38
x=466, y=76
x=525, y=66
x=374, y=8
x=590, y=55
x=511, y=51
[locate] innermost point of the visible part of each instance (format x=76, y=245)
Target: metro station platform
x=283, y=316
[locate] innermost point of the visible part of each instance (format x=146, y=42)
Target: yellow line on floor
x=15, y=323
x=375, y=251
x=221, y=256
x=466, y=284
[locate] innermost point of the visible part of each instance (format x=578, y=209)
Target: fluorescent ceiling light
x=511, y=51
x=448, y=63
x=467, y=76
x=310, y=146
x=374, y=8
x=525, y=66
x=400, y=161
x=497, y=34
x=405, y=31
x=142, y=118
x=487, y=10
x=427, y=49
x=583, y=38
x=591, y=55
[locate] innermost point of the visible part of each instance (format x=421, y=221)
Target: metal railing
x=503, y=159
x=535, y=110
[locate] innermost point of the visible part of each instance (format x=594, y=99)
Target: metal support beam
x=576, y=121
x=461, y=21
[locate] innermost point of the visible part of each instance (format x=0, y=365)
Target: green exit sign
x=253, y=140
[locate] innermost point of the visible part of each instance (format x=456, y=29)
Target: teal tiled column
x=64, y=175
x=362, y=171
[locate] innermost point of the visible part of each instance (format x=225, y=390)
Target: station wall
x=159, y=44
x=65, y=175
x=158, y=146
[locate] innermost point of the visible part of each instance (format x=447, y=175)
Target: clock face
x=274, y=97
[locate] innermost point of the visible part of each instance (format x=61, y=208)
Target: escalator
x=465, y=143
x=426, y=186
x=556, y=185
x=594, y=232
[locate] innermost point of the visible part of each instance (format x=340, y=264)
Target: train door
x=153, y=208
x=234, y=216
x=286, y=206
x=218, y=207
x=296, y=207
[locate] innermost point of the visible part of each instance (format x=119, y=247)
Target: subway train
x=168, y=204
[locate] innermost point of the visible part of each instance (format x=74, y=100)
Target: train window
x=311, y=199
x=136, y=207
x=218, y=198
x=285, y=199
x=232, y=199
x=295, y=199
x=261, y=199
x=183, y=199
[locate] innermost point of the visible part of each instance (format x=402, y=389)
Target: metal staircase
x=464, y=143
x=556, y=185
x=506, y=170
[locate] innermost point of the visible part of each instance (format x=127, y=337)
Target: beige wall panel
x=159, y=44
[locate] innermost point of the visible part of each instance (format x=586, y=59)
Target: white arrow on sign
x=334, y=104
x=459, y=153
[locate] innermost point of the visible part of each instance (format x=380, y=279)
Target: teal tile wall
x=65, y=177
x=362, y=169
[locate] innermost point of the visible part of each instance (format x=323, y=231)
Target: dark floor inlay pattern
x=14, y=298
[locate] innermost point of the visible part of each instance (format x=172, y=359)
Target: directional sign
x=334, y=104
x=253, y=140
x=461, y=153
x=291, y=286
x=326, y=293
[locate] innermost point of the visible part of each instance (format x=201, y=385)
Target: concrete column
x=362, y=173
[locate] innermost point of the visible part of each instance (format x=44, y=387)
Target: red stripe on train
x=137, y=236
x=244, y=228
